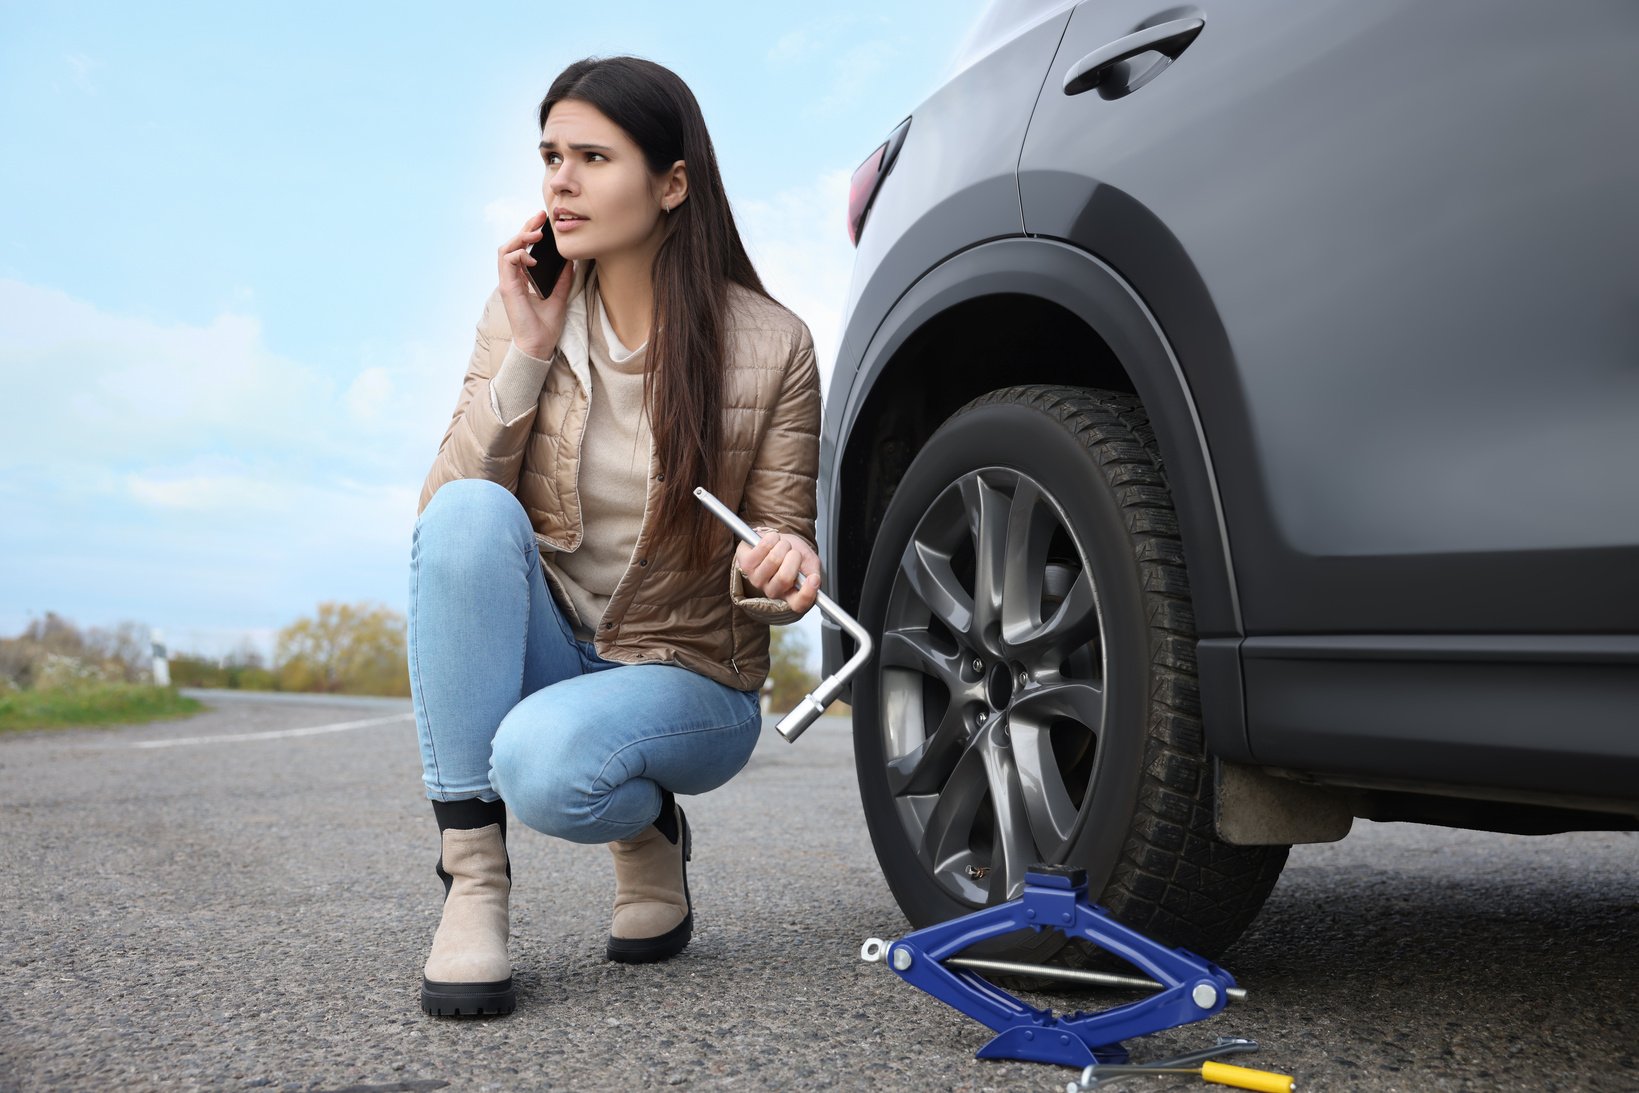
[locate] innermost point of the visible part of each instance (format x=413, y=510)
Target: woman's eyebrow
x=547, y=145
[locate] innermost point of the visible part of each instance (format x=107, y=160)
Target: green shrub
x=91, y=702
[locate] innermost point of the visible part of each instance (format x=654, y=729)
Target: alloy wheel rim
x=993, y=681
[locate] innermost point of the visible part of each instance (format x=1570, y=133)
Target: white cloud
x=852, y=77
x=168, y=489
x=816, y=37
x=369, y=395
x=506, y=216
x=120, y=384
x=792, y=45
x=255, y=511
x=845, y=56
x=187, y=476
x=125, y=389
x=798, y=240
x=79, y=70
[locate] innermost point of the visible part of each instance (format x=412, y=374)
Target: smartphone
x=548, y=262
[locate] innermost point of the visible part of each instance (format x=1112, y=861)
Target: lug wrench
x=813, y=704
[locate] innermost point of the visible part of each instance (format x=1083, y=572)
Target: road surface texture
x=233, y=902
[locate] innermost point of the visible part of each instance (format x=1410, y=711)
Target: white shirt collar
x=617, y=352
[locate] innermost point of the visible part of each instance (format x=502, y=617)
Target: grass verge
x=92, y=704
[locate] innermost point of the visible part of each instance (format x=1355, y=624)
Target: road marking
x=273, y=734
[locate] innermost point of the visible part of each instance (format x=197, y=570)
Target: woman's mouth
x=567, y=223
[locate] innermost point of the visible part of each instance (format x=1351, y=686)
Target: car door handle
x=1170, y=38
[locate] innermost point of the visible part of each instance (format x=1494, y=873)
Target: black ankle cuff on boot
x=470, y=813
x=667, y=820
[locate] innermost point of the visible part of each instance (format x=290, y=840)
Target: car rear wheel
x=1034, y=696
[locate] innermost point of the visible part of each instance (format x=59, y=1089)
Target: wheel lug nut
x=1023, y=679
x=983, y=717
x=978, y=665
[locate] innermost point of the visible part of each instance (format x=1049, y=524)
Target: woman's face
x=594, y=169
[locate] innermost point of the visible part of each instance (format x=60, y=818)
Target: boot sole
x=647, y=950
x=467, y=999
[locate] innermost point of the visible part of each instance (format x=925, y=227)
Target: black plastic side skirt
x=1550, y=713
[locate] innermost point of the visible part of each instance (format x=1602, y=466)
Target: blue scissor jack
x=1188, y=987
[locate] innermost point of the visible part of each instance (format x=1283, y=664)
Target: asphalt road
x=226, y=903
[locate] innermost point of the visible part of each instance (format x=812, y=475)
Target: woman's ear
x=676, y=187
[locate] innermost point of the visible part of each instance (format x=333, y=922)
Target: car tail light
x=868, y=178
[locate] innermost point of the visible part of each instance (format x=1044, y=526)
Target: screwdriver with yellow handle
x=1241, y=1077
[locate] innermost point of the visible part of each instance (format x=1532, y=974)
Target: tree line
x=342, y=648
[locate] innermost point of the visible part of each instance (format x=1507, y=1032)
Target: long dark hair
x=700, y=254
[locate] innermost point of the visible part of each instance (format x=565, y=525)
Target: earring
x=665, y=207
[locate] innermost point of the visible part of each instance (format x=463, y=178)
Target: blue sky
x=243, y=249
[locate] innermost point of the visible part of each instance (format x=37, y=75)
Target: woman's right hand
x=536, y=323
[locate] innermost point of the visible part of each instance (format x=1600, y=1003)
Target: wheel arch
x=1061, y=316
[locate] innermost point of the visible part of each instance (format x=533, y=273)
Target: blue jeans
x=509, y=704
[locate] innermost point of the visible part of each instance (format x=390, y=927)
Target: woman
x=585, y=638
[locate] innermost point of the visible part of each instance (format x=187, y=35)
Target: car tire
x=1062, y=492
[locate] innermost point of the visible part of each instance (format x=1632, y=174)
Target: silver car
x=1235, y=432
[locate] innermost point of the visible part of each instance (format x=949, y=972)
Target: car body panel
x=1422, y=390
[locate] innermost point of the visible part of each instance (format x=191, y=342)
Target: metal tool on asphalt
x=1187, y=987
x=1074, y=975
x=813, y=704
x=1240, y=1077
x=1097, y=1076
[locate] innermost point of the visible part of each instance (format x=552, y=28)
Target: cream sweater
x=616, y=455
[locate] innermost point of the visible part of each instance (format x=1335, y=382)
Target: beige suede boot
x=468, y=971
x=653, y=917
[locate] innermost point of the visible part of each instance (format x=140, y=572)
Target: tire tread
x=1176, y=880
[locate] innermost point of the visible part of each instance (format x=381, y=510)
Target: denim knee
x=539, y=779
x=474, y=513
x=469, y=501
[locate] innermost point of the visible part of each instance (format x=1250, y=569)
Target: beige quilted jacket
x=708, y=620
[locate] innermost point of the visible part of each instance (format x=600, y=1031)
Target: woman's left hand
x=773, y=564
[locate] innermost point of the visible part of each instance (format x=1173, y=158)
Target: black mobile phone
x=548, y=262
